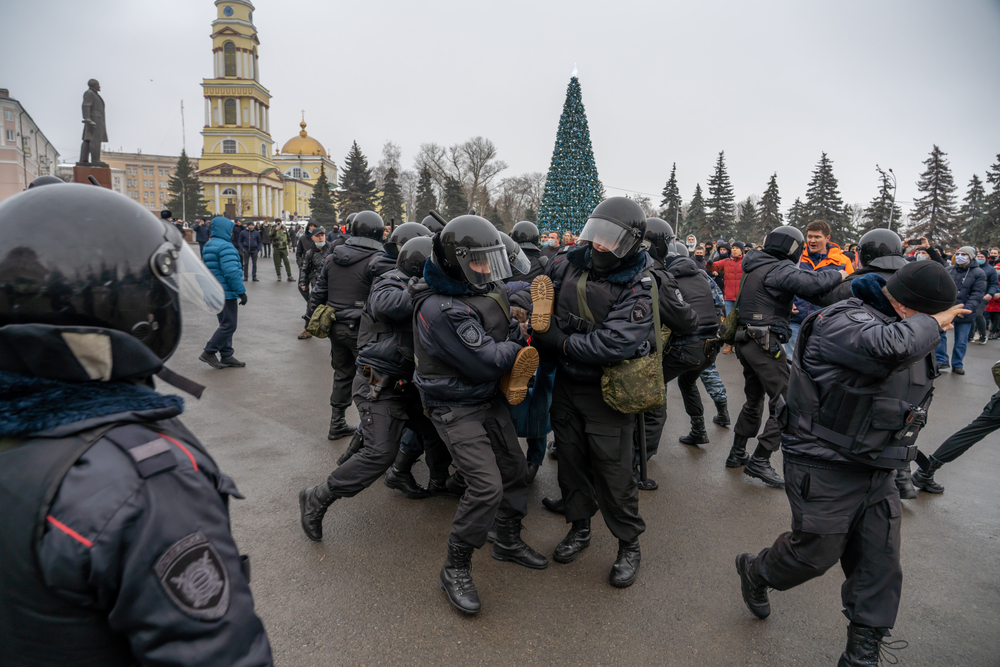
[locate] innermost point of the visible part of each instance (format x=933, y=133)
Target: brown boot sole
x=542, y=302
x=514, y=385
x=305, y=335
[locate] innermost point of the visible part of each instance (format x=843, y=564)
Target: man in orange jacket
x=820, y=255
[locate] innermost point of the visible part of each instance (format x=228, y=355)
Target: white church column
x=254, y=205
x=218, y=201
x=208, y=112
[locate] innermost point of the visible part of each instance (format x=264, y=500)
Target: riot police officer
x=526, y=235
x=115, y=537
x=343, y=284
x=387, y=400
x=603, y=315
x=771, y=279
x=859, y=392
x=466, y=347
x=432, y=223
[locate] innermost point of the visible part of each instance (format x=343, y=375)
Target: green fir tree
x=357, y=184
x=530, y=215
x=720, y=200
x=186, y=198
x=823, y=200
x=974, y=214
x=322, y=209
x=748, y=223
x=934, y=214
x=993, y=204
x=797, y=214
x=455, y=203
x=696, y=220
x=392, y=198
x=671, y=204
x=882, y=208
x=493, y=215
x=769, y=212
x=426, y=199
x=572, y=187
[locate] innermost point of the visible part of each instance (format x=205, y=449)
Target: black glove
x=243, y=299
x=553, y=339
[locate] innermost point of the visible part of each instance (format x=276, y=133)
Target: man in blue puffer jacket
x=223, y=261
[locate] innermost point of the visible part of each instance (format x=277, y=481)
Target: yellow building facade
x=239, y=173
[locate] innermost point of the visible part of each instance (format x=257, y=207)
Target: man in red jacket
x=732, y=271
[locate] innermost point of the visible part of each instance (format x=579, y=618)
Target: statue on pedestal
x=94, y=129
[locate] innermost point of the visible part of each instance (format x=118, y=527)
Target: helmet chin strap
x=180, y=382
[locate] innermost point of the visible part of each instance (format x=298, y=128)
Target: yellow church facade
x=240, y=177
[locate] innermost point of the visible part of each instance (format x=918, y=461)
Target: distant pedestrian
x=202, y=232
x=280, y=239
x=971, y=283
x=223, y=261
x=249, y=246
x=265, y=239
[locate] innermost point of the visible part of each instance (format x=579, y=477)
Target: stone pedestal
x=102, y=174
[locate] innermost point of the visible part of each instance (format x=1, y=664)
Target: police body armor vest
x=598, y=296
x=697, y=292
x=346, y=285
x=371, y=330
x=757, y=306
x=870, y=424
x=494, y=315
x=47, y=630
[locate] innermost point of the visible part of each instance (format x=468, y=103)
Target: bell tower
x=237, y=107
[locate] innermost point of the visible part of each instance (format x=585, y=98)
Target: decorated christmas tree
x=572, y=188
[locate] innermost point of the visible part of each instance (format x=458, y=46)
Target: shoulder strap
x=504, y=306
x=739, y=289
x=581, y=297
x=656, y=317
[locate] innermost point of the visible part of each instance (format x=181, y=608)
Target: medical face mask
x=320, y=244
x=961, y=258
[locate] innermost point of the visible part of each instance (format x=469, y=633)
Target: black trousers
x=250, y=258
x=960, y=441
x=267, y=249
x=222, y=339
x=343, y=355
x=765, y=375
x=483, y=444
x=685, y=363
x=382, y=423
x=595, y=458
x=841, y=515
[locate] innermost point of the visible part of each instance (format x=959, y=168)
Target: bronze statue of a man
x=94, y=129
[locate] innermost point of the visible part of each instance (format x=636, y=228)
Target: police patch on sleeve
x=680, y=297
x=640, y=311
x=195, y=578
x=861, y=316
x=470, y=334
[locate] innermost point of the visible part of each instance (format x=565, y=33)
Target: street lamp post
x=892, y=204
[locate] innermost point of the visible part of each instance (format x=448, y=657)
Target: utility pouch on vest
x=634, y=385
x=321, y=321
x=730, y=325
x=762, y=336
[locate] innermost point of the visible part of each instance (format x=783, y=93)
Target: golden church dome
x=303, y=144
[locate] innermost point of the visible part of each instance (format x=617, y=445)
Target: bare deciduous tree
x=391, y=154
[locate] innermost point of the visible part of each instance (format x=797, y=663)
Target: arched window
x=229, y=53
x=229, y=146
x=229, y=192
x=231, y=118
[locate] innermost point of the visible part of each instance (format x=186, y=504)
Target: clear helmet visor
x=609, y=236
x=482, y=266
x=520, y=262
x=183, y=272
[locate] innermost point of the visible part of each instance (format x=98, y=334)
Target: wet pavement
x=369, y=595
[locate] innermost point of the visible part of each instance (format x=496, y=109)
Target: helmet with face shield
x=469, y=249
x=519, y=262
x=617, y=226
x=84, y=256
x=400, y=235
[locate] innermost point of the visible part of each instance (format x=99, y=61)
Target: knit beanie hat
x=926, y=287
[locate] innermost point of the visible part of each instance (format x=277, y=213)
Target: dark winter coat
x=697, y=293
x=249, y=241
x=971, y=283
x=202, y=233
x=312, y=263
x=538, y=263
x=389, y=304
x=265, y=234
x=222, y=260
x=346, y=277
x=302, y=246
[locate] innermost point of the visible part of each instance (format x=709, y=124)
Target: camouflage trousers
x=713, y=384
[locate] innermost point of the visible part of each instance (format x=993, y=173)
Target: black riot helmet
x=349, y=222
x=45, y=180
x=659, y=235
x=84, y=256
x=617, y=224
x=678, y=249
x=432, y=223
x=470, y=249
x=879, y=243
x=413, y=255
x=519, y=262
x=400, y=235
x=526, y=235
x=368, y=225
x=785, y=242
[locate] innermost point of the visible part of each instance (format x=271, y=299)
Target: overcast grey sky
x=771, y=83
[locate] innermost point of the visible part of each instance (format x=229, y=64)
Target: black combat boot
x=576, y=540
x=532, y=472
x=754, y=592
x=400, y=477
x=722, y=419
x=456, y=578
x=626, y=567
x=441, y=484
x=738, y=454
x=338, y=425
x=554, y=505
x=865, y=647
x=698, y=434
x=760, y=468
x=357, y=442
x=924, y=479
x=510, y=547
x=313, y=503
x=905, y=485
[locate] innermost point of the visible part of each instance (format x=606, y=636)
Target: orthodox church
x=240, y=177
